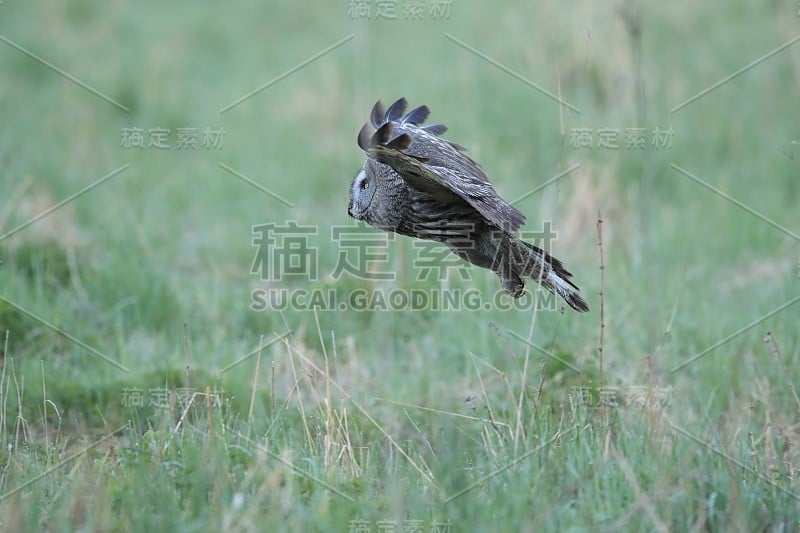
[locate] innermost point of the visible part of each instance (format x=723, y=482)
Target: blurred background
x=677, y=126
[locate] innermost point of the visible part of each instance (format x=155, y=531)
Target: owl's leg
x=511, y=283
x=506, y=263
x=499, y=261
x=493, y=252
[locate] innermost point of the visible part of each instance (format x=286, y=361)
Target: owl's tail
x=534, y=263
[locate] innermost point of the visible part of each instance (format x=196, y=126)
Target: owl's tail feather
x=540, y=266
x=566, y=289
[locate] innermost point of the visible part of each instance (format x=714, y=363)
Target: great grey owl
x=415, y=183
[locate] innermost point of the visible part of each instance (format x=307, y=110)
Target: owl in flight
x=415, y=183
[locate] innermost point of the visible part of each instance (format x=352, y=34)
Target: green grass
x=375, y=418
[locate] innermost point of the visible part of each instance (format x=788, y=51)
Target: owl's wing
x=431, y=164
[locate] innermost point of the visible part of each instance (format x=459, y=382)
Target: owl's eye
x=364, y=184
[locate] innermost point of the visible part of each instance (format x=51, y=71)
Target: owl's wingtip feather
x=396, y=110
x=377, y=115
x=364, y=136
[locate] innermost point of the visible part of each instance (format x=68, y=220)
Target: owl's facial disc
x=361, y=181
x=361, y=192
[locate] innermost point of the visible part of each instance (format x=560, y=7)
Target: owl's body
x=414, y=183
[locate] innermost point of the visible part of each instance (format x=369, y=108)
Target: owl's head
x=362, y=192
x=378, y=196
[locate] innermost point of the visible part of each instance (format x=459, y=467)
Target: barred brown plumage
x=415, y=183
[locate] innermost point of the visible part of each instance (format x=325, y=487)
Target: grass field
x=142, y=387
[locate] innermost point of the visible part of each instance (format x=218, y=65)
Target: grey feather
x=378, y=115
x=396, y=110
x=417, y=115
x=435, y=129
